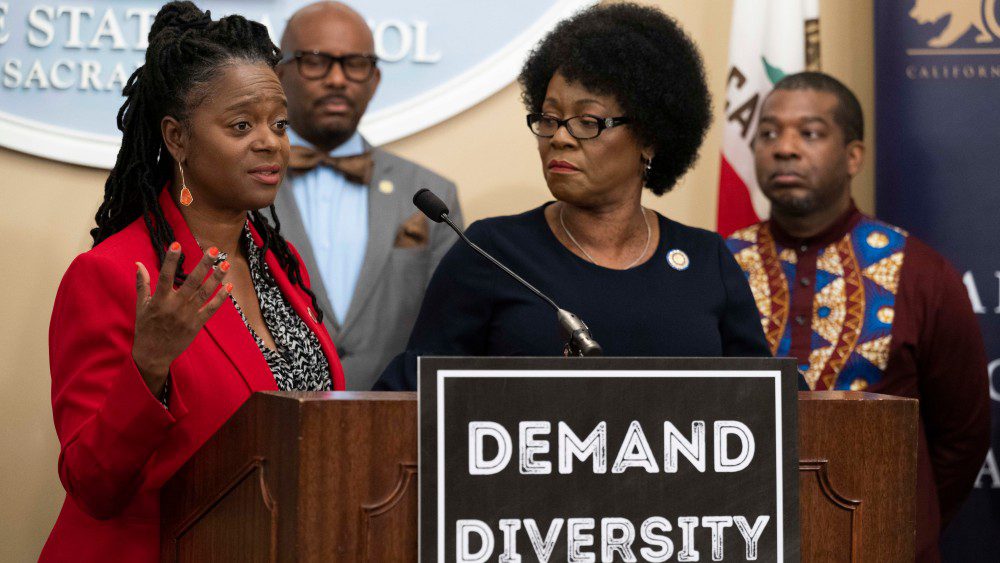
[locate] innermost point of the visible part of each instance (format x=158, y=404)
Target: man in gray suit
x=346, y=205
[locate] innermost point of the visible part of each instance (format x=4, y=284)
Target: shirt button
x=800, y=320
x=803, y=248
x=804, y=282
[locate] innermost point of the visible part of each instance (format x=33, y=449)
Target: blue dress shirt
x=335, y=215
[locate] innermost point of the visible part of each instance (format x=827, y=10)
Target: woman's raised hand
x=167, y=320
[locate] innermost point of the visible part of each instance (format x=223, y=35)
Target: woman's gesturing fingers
x=196, y=279
x=165, y=283
x=142, y=294
x=213, y=305
x=167, y=322
x=211, y=283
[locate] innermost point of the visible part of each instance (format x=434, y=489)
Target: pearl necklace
x=649, y=236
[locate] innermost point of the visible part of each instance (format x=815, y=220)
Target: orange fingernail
x=175, y=246
x=213, y=252
x=229, y=287
x=224, y=266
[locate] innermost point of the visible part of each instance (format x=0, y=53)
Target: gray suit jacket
x=395, y=270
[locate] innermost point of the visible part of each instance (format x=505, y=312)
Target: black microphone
x=431, y=205
x=579, y=342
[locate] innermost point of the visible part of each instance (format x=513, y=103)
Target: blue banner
x=937, y=86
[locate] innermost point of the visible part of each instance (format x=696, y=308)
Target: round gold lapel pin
x=678, y=259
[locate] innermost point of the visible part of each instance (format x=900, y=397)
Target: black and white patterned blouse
x=298, y=364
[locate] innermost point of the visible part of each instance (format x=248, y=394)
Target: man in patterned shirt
x=862, y=304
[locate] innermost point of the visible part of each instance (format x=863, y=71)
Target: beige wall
x=48, y=209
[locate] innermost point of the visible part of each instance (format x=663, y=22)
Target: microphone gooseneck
x=579, y=342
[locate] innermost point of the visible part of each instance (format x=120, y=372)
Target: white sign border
x=465, y=373
x=384, y=126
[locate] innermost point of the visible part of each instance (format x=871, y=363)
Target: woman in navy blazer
x=151, y=353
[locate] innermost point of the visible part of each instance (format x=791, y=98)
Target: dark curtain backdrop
x=937, y=89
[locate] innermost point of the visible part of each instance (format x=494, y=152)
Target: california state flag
x=769, y=39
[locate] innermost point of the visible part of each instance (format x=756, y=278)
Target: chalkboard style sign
x=608, y=459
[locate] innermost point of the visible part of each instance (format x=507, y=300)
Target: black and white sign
x=608, y=459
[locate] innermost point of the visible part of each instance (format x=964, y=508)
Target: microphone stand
x=577, y=335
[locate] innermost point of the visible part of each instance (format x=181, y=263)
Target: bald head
x=298, y=32
x=326, y=109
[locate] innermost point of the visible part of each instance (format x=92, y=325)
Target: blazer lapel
x=294, y=230
x=381, y=234
x=226, y=326
x=227, y=329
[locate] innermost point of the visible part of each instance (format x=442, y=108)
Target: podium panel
x=857, y=476
x=333, y=477
x=300, y=477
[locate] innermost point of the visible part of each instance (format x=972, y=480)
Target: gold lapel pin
x=386, y=187
x=678, y=259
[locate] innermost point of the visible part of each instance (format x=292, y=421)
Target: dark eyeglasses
x=579, y=126
x=317, y=64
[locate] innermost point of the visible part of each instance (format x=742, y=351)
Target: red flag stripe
x=735, y=209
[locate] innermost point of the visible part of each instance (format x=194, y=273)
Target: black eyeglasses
x=579, y=126
x=317, y=64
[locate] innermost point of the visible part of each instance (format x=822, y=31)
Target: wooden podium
x=300, y=477
x=333, y=477
x=857, y=476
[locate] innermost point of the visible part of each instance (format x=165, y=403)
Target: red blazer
x=119, y=445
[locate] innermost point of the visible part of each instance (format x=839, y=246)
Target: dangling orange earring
x=186, y=198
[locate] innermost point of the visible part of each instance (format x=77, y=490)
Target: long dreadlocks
x=186, y=50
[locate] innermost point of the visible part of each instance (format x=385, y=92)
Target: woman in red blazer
x=151, y=353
